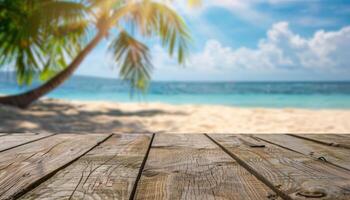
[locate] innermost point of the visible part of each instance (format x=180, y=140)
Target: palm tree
x=39, y=36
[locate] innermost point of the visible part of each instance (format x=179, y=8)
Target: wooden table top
x=174, y=166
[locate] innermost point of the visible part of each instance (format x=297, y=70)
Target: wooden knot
x=322, y=158
x=313, y=194
x=272, y=196
x=313, y=190
x=334, y=144
x=150, y=173
x=252, y=144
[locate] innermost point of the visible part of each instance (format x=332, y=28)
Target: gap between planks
x=109, y=171
x=47, y=176
x=251, y=170
x=141, y=169
x=191, y=166
x=133, y=192
x=291, y=172
x=24, y=142
x=324, y=153
x=328, y=140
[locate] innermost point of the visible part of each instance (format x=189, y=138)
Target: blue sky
x=253, y=40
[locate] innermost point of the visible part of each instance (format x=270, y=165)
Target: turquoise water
x=314, y=95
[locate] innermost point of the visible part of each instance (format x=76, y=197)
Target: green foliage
x=41, y=36
x=157, y=19
x=134, y=60
x=150, y=19
x=38, y=36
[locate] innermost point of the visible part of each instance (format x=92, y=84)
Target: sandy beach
x=60, y=116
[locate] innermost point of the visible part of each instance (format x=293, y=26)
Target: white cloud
x=279, y=55
x=280, y=49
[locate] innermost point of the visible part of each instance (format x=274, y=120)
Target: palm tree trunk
x=25, y=99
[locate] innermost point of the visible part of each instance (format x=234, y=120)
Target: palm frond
x=133, y=58
x=37, y=36
x=151, y=19
x=157, y=19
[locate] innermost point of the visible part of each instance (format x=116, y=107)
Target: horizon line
x=206, y=81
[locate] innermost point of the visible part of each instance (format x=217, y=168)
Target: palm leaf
x=133, y=58
x=152, y=19
x=39, y=34
x=157, y=19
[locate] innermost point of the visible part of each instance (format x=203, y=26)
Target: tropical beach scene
x=174, y=99
x=227, y=67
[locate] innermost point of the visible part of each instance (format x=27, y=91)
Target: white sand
x=62, y=117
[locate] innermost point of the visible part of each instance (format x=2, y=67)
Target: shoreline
x=194, y=104
x=73, y=116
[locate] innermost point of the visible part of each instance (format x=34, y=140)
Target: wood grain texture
x=194, y=141
x=107, y=172
x=13, y=140
x=334, y=140
x=335, y=155
x=296, y=175
x=193, y=167
x=24, y=166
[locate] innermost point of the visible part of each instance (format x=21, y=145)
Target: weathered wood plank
x=296, y=175
x=13, y=140
x=24, y=166
x=337, y=156
x=193, y=167
x=107, y=172
x=329, y=139
x=183, y=140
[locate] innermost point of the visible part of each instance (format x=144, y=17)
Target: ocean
x=311, y=95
